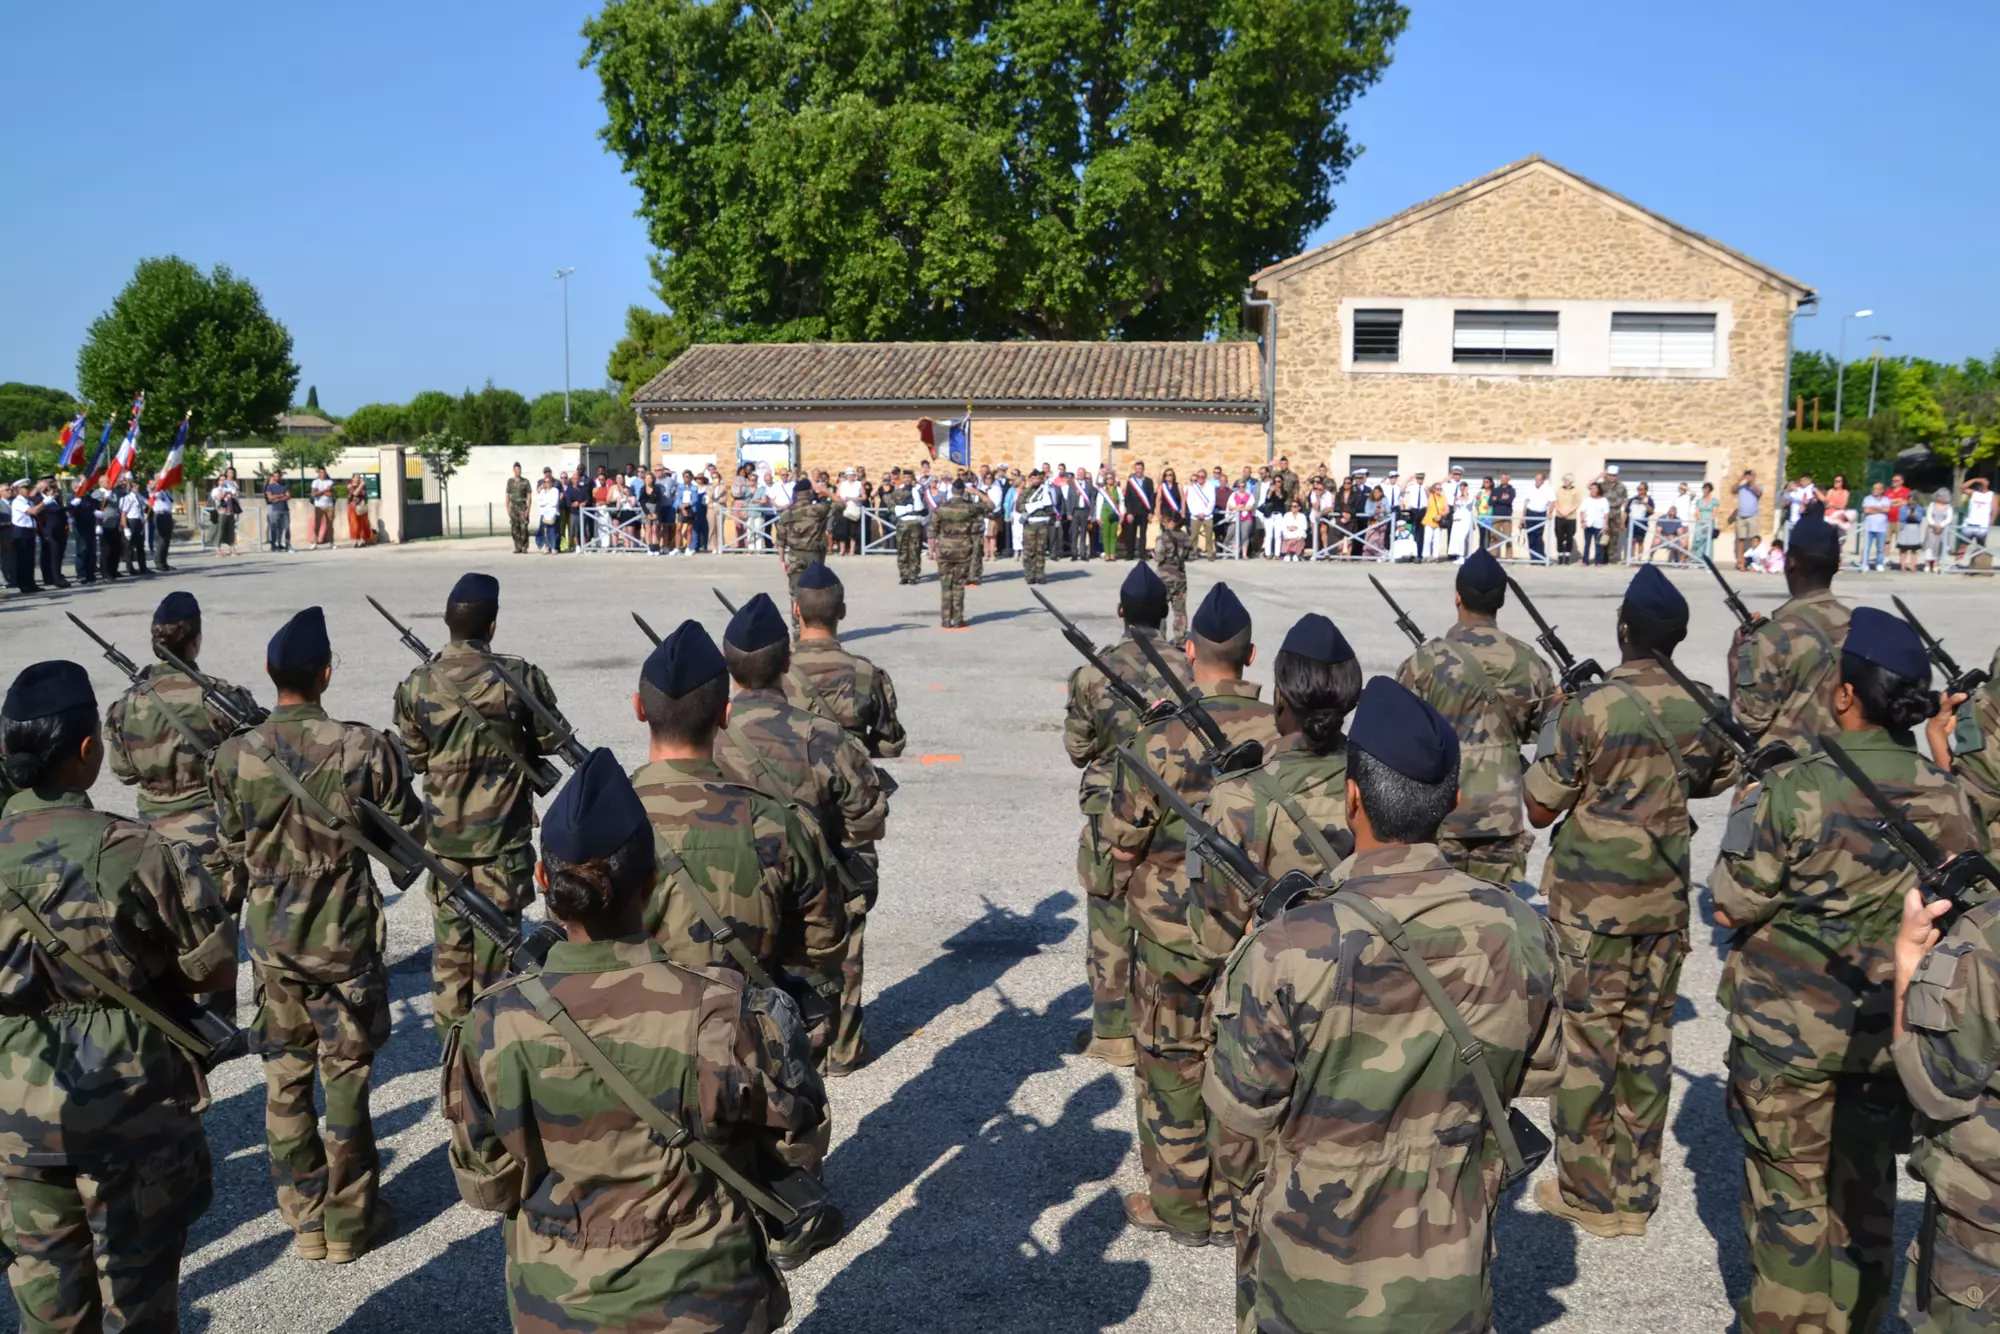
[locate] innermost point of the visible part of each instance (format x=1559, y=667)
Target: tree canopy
x=32, y=407
x=1016, y=168
x=1953, y=409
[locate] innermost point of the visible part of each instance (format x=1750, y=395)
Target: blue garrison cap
x=46, y=689
x=1221, y=616
x=756, y=624
x=1481, y=574
x=818, y=575
x=1318, y=638
x=178, y=605
x=300, y=644
x=475, y=588
x=1403, y=732
x=1652, y=594
x=1888, y=642
x=595, y=813
x=1142, y=588
x=684, y=661
x=1814, y=536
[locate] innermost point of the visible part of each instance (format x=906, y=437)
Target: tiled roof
x=1220, y=377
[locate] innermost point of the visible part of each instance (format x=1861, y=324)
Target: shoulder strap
x=776, y=789
x=1482, y=684
x=821, y=704
x=1470, y=1049
x=1658, y=727
x=676, y=1135
x=401, y=873
x=181, y=725
x=539, y=775
x=719, y=927
x=1267, y=787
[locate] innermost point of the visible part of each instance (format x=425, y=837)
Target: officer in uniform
x=801, y=532
x=1038, y=509
x=1784, y=672
x=1816, y=897
x=103, y=1163
x=520, y=499
x=1171, y=550
x=1379, y=1170
x=956, y=526
x=1171, y=978
x=797, y=756
x=316, y=933
x=624, y=1227
x=1623, y=758
x=908, y=508
x=1497, y=692
x=475, y=744
x=1614, y=520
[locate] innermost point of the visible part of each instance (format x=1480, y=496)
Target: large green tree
x=32, y=407
x=493, y=416
x=189, y=339
x=378, y=424
x=874, y=169
x=589, y=410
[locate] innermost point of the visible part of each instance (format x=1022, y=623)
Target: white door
x=1080, y=453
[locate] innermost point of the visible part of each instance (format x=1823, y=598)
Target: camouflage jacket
x=1161, y=885
x=1219, y=913
x=801, y=531
x=477, y=802
x=957, y=524
x=903, y=501
x=847, y=688
x=1171, y=550
x=520, y=496
x=1097, y=718
x=315, y=911
x=1494, y=714
x=762, y=864
x=1781, y=675
x=1816, y=897
x=607, y=1227
x=1981, y=770
x=1618, y=865
x=1371, y=1130
x=800, y=757
x=1615, y=493
x=145, y=749
x=82, y=1078
x=1948, y=1058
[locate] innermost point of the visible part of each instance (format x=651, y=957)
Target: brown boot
x=1121, y=1052
x=380, y=1225
x=1549, y=1195
x=1140, y=1214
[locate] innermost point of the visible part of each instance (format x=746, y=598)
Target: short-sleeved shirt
x=1746, y=503
x=322, y=493
x=1875, y=513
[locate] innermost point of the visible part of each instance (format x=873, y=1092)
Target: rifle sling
x=181, y=725
x=1481, y=682
x=776, y=787
x=58, y=950
x=720, y=929
x=819, y=702
x=1267, y=787
x=676, y=1135
x=538, y=775
x=345, y=829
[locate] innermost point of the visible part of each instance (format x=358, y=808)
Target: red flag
x=170, y=473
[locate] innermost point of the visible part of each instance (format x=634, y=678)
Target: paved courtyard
x=978, y=1160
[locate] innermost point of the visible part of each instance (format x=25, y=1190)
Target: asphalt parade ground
x=978, y=1160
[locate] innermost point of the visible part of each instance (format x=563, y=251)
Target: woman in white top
x=847, y=517
x=1291, y=529
x=1464, y=524
x=1596, y=510
x=1638, y=513
x=548, y=510
x=227, y=507
x=1937, y=523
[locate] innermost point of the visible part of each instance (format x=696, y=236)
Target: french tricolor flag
x=128, y=449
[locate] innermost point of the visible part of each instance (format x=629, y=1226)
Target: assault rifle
x=1940, y=875
x=1149, y=710
x=727, y=605
x=1747, y=618
x=214, y=696
x=1755, y=759
x=1403, y=621
x=1222, y=758
x=1572, y=672
x=572, y=751
x=139, y=679
x=1967, y=738
x=523, y=954
x=646, y=629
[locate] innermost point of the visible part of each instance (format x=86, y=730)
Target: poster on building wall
x=771, y=447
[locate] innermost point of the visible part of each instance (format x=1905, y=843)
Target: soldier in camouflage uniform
x=1171, y=550
x=797, y=756
x=1979, y=768
x=1170, y=984
x=147, y=750
x=1376, y=1180
x=1095, y=719
x=476, y=746
x=608, y=1226
x=1497, y=691
x=520, y=499
x=801, y=533
x=315, y=931
x=1816, y=897
x=1783, y=672
x=1037, y=506
x=956, y=526
x=1623, y=758
x=908, y=507
x=103, y=1163
x=1614, y=520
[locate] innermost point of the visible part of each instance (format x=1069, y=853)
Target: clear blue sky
x=401, y=180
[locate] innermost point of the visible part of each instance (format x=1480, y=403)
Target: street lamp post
x=562, y=276
x=1841, y=361
x=1875, y=374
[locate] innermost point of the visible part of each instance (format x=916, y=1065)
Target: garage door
x=1079, y=453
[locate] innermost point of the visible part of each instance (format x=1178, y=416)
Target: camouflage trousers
x=1176, y=582
x=952, y=571
x=517, y=528
x=1610, y=1116
x=847, y=1045
x=555, y=1286
x=1819, y=1197
x=463, y=962
x=325, y=1182
x=909, y=552
x=1965, y=1280
x=1035, y=551
x=1500, y=861
x=101, y=1249
x=1169, y=1019
x=975, y=565
x=1109, y=958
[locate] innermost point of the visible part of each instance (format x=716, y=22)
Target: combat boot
x=380, y=1225
x=1139, y=1213
x=1548, y=1194
x=826, y=1228
x=1122, y=1052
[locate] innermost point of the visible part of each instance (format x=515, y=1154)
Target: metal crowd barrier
x=608, y=531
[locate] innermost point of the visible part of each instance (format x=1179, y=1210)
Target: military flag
x=170, y=472
x=128, y=448
x=103, y=452
x=70, y=443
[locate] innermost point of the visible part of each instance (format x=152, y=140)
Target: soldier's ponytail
x=1319, y=696
x=1886, y=699
x=592, y=894
x=34, y=746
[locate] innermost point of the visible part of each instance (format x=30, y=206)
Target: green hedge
x=1825, y=453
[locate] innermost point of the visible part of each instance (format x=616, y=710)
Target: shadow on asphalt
x=1715, y=1160
x=1536, y=1255
x=985, y=616
x=870, y=631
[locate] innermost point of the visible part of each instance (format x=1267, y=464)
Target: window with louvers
x=1378, y=335
x=1663, y=341
x=1504, y=337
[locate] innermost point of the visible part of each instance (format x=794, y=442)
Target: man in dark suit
x=1082, y=517
x=1141, y=499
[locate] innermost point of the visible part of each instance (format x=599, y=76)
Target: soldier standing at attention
x=101, y=1146
x=1817, y=897
x=1171, y=979
x=520, y=499
x=956, y=525
x=1038, y=516
x=976, y=496
x=476, y=746
x=620, y=1227
x=797, y=756
x=1170, y=552
x=146, y=749
x=830, y=681
x=1614, y=519
x=801, y=532
x=315, y=932
x=1623, y=757
x=908, y=508
x=1380, y=1168
x=1785, y=670
x=1496, y=691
